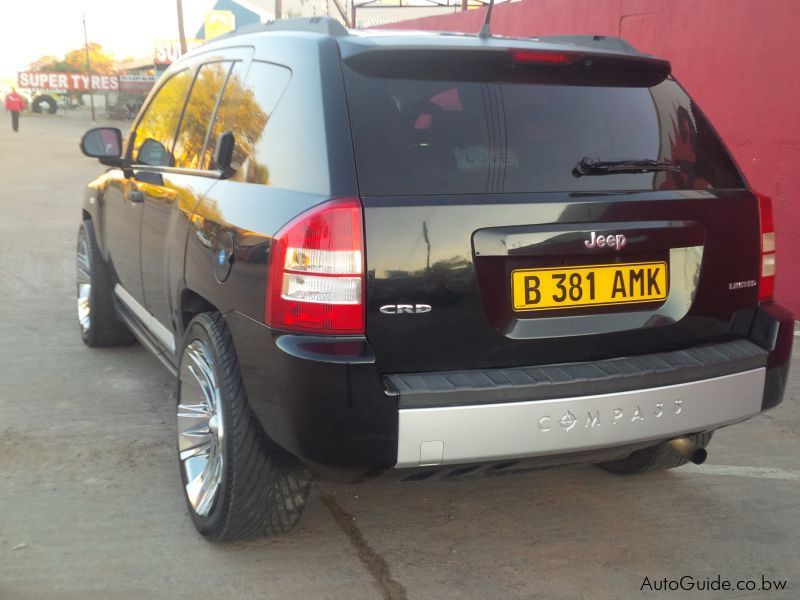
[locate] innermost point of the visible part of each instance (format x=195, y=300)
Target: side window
x=197, y=115
x=245, y=110
x=156, y=130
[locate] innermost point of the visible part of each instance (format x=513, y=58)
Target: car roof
x=358, y=40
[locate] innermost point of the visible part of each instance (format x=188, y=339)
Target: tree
x=51, y=64
x=74, y=61
x=100, y=61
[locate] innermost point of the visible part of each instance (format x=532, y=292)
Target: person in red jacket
x=15, y=105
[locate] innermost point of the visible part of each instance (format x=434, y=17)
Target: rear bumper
x=487, y=432
x=326, y=401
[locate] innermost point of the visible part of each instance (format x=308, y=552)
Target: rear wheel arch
x=191, y=305
x=237, y=482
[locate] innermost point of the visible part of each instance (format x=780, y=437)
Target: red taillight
x=316, y=271
x=766, y=283
x=544, y=57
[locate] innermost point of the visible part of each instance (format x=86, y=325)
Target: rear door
x=124, y=196
x=487, y=248
x=151, y=154
x=122, y=221
x=171, y=193
x=172, y=173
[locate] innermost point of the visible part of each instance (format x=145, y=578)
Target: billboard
x=78, y=82
x=136, y=83
x=219, y=22
x=166, y=52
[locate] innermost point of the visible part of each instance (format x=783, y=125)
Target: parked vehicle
x=66, y=102
x=123, y=105
x=363, y=252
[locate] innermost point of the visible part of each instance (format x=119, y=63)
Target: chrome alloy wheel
x=201, y=433
x=84, y=280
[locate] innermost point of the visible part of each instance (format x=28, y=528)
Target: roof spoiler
x=599, y=42
x=521, y=65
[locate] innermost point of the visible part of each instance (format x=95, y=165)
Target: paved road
x=89, y=480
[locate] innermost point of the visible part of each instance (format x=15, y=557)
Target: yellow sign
x=219, y=22
x=596, y=285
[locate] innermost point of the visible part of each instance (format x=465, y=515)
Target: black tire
x=103, y=329
x=263, y=489
x=44, y=99
x=656, y=458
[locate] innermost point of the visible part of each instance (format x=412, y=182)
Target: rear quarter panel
x=307, y=151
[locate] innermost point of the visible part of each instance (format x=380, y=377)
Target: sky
x=125, y=28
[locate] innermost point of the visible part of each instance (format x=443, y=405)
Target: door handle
x=135, y=196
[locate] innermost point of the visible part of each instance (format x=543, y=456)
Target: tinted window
x=245, y=110
x=423, y=136
x=197, y=115
x=156, y=130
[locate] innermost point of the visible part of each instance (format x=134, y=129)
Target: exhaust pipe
x=688, y=449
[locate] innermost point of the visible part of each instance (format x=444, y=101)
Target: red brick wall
x=738, y=58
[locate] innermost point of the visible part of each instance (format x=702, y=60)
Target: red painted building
x=737, y=58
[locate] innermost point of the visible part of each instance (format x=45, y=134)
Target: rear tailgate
x=483, y=247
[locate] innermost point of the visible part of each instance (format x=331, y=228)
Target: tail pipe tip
x=691, y=451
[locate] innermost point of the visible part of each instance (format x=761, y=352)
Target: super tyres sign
x=68, y=81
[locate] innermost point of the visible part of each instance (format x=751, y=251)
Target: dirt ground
x=90, y=503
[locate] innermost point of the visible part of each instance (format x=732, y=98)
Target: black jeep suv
x=362, y=252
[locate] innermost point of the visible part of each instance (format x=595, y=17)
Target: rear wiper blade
x=592, y=166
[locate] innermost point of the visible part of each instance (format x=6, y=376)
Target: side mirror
x=223, y=154
x=104, y=144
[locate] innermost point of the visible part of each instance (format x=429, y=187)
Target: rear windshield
x=424, y=136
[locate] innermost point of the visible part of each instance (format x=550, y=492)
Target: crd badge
x=405, y=309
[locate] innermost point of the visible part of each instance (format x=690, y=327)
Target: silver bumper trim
x=461, y=434
x=152, y=324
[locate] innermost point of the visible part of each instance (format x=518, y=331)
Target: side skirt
x=145, y=336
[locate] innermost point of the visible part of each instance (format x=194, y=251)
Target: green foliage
x=50, y=64
x=100, y=61
x=74, y=61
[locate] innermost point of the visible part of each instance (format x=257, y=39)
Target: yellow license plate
x=596, y=285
